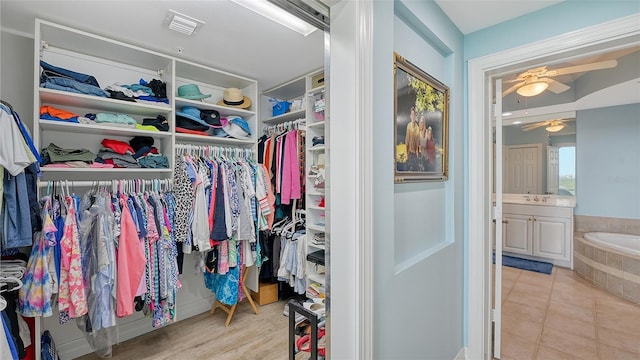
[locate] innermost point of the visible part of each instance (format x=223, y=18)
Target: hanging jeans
x=16, y=221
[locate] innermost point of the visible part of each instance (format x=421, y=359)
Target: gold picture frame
x=421, y=115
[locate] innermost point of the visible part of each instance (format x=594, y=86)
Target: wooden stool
x=230, y=310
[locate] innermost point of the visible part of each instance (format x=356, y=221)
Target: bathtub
x=622, y=243
x=610, y=261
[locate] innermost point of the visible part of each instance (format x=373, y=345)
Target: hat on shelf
x=189, y=118
x=212, y=117
x=233, y=97
x=236, y=127
x=192, y=92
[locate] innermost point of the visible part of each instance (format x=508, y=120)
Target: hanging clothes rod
x=210, y=150
x=287, y=125
x=99, y=183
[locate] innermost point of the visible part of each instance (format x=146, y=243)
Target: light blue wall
x=418, y=227
x=608, y=157
x=549, y=22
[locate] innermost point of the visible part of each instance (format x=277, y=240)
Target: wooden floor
x=204, y=336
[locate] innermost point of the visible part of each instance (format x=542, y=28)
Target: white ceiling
x=473, y=15
x=233, y=39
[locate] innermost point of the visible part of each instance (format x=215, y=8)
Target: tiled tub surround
x=613, y=270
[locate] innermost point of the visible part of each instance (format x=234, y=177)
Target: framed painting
x=421, y=123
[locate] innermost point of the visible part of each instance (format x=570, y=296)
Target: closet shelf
x=315, y=227
x=317, y=278
x=103, y=130
x=223, y=110
x=310, y=244
x=319, y=124
x=97, y=103
x=212, y=140
x=315, y=91
x=316, y=148
x=315, y=193
x=290, y=116
x=312, y=207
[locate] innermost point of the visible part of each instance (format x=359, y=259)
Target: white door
x=513, y=181
x=523, y=173
x=530, y=170
x=553, y=163
x=497, y=216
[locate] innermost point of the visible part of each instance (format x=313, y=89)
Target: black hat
x=211, y=117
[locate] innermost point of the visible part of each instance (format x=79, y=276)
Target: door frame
x=616, y=33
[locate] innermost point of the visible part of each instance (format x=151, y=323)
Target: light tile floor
x=561, y=316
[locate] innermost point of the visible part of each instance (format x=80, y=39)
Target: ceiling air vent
x=182, y=23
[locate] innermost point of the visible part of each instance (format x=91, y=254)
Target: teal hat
x=191, y=91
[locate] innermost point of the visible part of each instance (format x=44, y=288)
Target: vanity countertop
x=539, y=200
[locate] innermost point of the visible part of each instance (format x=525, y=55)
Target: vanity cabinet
x=541, y=232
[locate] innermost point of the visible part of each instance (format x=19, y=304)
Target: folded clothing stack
x=316, y=257
x=57, y=78
x=55, y=156
x=138, y=152
x=153, y=91
x=318, y=239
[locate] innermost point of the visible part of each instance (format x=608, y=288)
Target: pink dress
x=131, y=263
x=71, y=296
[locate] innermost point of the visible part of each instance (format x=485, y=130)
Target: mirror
x=538, y=161
x=554, y=135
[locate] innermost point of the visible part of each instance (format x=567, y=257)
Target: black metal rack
x=295, y=307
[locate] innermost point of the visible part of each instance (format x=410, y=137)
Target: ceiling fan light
x=555, y=128
x=533, y=88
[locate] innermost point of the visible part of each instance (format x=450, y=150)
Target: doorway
x=616, y=34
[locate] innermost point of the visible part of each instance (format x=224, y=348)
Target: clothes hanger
x=5, y=281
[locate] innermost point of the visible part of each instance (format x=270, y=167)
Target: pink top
x=290, y=169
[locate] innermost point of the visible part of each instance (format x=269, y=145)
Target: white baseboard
x=462, y=354
x=80, y=347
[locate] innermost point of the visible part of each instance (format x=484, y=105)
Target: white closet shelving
x=309, y=93
x=110, y=62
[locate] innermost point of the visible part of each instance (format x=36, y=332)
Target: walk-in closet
x=164, y=181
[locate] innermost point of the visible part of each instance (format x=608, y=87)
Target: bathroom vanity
x=539, y=227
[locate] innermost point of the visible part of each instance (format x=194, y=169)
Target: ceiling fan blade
x=512, y=80
x=528, y=127
x=583, y=68
x=512, y=89
x=556, y=86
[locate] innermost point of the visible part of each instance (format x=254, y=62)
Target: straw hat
x=233, y=97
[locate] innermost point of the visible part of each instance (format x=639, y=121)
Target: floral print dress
x=72, y=302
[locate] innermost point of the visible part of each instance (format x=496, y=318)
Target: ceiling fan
x=534, y=81
x=554, y=125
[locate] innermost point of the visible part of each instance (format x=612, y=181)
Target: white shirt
x=14, y=153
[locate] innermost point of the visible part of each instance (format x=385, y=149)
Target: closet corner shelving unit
x=312, y=94
x=111, y=61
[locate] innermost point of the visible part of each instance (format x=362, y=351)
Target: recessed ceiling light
x=183, y=23
x=517, y=122
x=507, y=114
